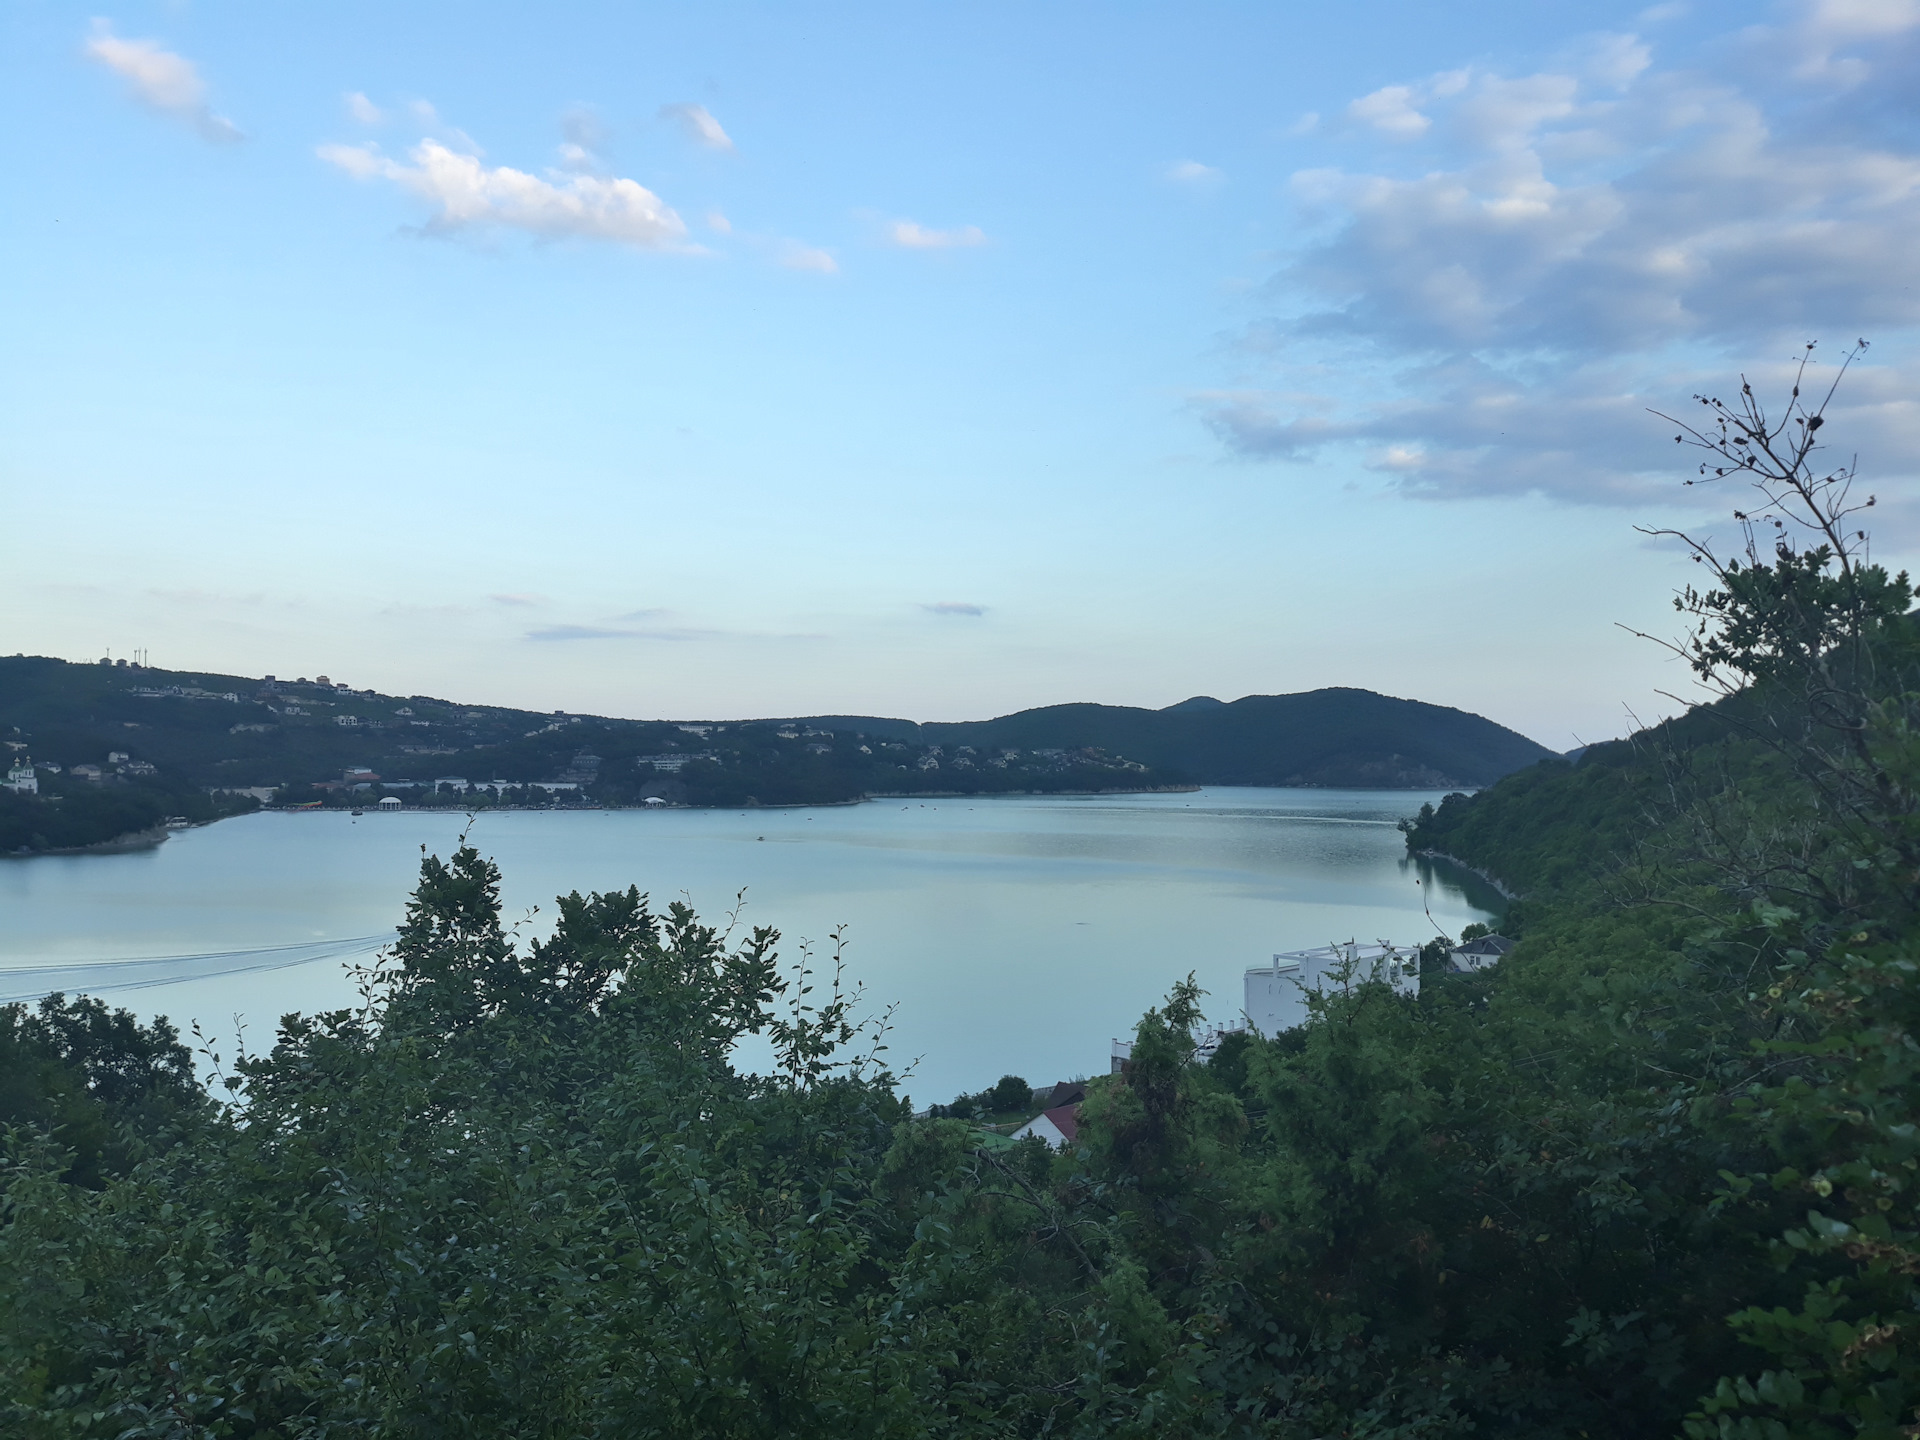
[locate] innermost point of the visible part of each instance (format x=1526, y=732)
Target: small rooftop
x=1495, y=945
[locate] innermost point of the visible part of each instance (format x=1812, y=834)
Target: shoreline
x=152, y=838
x=155, y=836
x=1495, y=881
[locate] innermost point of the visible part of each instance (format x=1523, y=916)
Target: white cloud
x=1391, y=111
x=795, y=256
x=160, y=79
x=362, y=109
x=1574, y=245
x=719, y=223
x=1191, y=172
x=912, y=236
x=698, y=125
x=466, y=192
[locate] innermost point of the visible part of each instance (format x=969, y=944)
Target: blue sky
x=926, y=360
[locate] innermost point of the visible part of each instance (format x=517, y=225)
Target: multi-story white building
x=1276, y=994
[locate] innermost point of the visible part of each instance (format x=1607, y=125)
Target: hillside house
x=21, y=780
x=1059, y=1127
x=1479, y=954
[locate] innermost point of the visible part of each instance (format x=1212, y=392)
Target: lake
x=1014, y=934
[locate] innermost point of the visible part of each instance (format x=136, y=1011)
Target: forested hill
x=1337, y=737
x=102, y=737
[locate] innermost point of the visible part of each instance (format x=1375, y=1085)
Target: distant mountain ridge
x=1335, y=737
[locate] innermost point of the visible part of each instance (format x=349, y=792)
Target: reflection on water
x=1017, y=934
x=1469, y=886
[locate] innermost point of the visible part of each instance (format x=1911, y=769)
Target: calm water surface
x=1017, y=934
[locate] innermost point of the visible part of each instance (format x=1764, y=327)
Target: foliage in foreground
x=1654, y=1175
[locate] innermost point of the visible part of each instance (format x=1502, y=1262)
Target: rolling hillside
x=1337, y=737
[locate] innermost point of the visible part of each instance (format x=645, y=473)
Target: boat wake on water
x=98, y=977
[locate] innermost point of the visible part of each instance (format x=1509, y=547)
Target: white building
x=21, y=779
x=1276, y=994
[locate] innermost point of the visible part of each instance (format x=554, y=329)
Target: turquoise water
x=1013, y=935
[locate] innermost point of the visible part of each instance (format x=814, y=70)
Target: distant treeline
x=302, y=742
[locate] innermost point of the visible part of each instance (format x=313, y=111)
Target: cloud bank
x=954, y=607
x=161, y=80
x=466, y=193
x=611, y=632
x=1532, y=260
